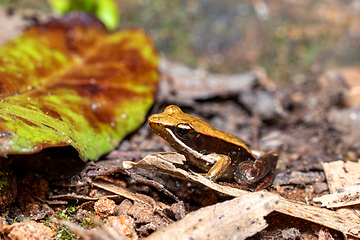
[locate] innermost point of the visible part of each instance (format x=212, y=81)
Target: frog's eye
x=183, y=130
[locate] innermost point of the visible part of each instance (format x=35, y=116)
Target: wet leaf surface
x=69, y=82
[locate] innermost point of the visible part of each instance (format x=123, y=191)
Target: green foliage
x=87, y=223
x=106, y=10
x=72, y=209
x=64, y=233
x=63, y=215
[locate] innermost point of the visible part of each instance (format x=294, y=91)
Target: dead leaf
x=346, y=81
x=344, y=184
x=341, y=176
x=191, y=84
x=145, y=218
x=238, y=218
x=164, y=163
x=114, y=188
x=347, y=224
x=346, y=196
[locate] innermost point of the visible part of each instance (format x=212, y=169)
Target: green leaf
x=69, y=82
x=61, y=6
x=106, y=10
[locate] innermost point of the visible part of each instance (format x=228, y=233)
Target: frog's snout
x=155, y=123
x=154, y=119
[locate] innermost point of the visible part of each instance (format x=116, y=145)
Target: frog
x=221, y=155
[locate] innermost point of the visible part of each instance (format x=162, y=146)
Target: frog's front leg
x=222, y=162
x=258, y=173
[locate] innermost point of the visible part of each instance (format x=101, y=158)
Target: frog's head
x=187, y=133
x=175, y=126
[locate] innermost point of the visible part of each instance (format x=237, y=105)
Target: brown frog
x=221, y=154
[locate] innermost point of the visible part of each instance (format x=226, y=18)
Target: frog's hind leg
x=257, y=174
x=267, y=180
x=261, y=184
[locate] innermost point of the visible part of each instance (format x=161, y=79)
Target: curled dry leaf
x=112, y=187
x=69, y=82
x=166, y=163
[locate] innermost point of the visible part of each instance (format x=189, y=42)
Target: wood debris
x=238, y=218
x=344, y=184
x=347, y=196
x=343, y=177
x=165, y=163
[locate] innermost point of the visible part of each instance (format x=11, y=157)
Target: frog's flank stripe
x=189, y=149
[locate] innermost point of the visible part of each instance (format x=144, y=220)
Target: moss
x=4, y=180
x=8, y=186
